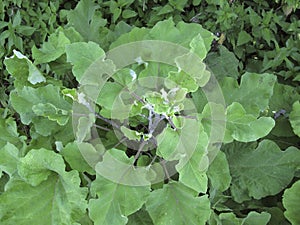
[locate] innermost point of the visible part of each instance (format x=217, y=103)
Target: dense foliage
x=150, y=112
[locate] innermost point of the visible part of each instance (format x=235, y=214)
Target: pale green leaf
x=131, y=134
x=257, y=218
x=190, y=63
x=179, y=143
x=23, y=70
x=218, y=172
x=192, y=168
x=81, y=55
x=55, y=194
x=52, y=49
x=38, y=165
x=253, y=93
x=84, y=127
x=246, y=127
x=127, y=13
x=176, y=204
x=198, y=46
x=33, y=106
x=291, y=202
x=9, y=158
x=9, y=133
x=55, y=201
x=181, y=80
x=295, y=118
x=251, y=219
x=75, y=155
x=117, y=167
x=49, y=111
x=115, y=201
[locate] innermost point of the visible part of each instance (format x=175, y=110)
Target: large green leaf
x=81, y=55
x=44, y=107
x=282, y=101
x=9, y=158
x=76, y=155
x=251, y=219
x=183, y=34
x=245, y=127
x=253, y=93
x=283, y=97
x=176, y=204
x=86, y=20
x=23, y=70
x=291, y=202
x=218, y=172
x=192, y=167
x=295, y=118
x=115, y=201
x=174, y=144
x=259, y=171
x=51, y=50
x=140, y=217
x=240, y=125
x=223, y=63
x=55, y=194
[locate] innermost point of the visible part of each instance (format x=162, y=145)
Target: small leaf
x=131, y=134
x=243, y=38
x=127, y=13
